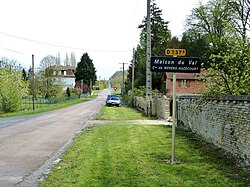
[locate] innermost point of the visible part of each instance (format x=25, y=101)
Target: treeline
x=217, y=32
x=17, y=83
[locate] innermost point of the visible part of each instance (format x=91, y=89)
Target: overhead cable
x=62, y=46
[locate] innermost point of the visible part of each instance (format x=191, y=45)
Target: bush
x=12, y=88
x=68, y=92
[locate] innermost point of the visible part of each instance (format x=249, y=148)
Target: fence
x=27, y=103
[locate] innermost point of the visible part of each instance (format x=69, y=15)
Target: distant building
x=186, y=83
x=64, y=76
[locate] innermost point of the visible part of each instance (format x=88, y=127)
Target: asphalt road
x=28, y=142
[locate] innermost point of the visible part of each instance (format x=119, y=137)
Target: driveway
x=28, y=143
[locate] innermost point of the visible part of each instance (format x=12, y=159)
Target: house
x=64, y=76
x=186, y=83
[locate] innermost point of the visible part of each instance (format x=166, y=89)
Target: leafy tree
x=116, y=79
x=234, y=77
x=196, y=45
x=85, y=70
x=206, y=27
x=220, y=28
x=173, y=43
x=12, y=85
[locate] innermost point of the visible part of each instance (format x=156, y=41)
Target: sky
x=106, y=30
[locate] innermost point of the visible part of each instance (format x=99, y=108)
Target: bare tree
x=72, y=59
x=66, y=60
x=241, y=16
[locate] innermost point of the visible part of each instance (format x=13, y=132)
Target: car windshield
x=109, y=96
x=114, y=98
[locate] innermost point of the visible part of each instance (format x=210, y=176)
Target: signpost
x=175, y=64
x=175, y=52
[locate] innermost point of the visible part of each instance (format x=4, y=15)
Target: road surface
x=28, y=142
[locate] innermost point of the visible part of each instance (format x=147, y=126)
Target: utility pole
x=133, y=74
x=90, y=86
x=123, y=80
x=148, y=71
x=33, y=83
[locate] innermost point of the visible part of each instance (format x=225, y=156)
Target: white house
x=64, y=76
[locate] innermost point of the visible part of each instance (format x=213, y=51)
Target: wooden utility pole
x=33, y=83
x=148, y=71
x=133, y=74
x=123, y=80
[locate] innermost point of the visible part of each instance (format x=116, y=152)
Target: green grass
x=119, y=154
x=47, y=108
x=120, y=113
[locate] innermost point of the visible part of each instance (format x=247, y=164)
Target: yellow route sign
x=175, y=52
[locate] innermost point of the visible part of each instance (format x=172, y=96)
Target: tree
x=220, y=26
x=58, y=59
x=234, y=78
x=206, y=27
x=160, y=36
x=47, y=86
x=12, y=86
x=241, y=17
x=66, y=60
x=72, y=59
x=24, y=74
x=196, y=45
x=85, y=70
x=68, y=92
x=47, y=62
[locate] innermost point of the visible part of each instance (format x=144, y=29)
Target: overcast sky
x=106, y=30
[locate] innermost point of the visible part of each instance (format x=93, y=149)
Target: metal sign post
x=175, y=64
x=174, y=118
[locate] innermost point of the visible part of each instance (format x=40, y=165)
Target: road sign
x=176, y=64
x=175, y=52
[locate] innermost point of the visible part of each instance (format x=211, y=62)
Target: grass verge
x=48, y=108
x=119, y=154
x=120, y=113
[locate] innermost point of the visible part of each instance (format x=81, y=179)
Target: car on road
x=109, y=96
x=113, y=101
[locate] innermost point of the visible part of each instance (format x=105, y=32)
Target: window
x=184, y=83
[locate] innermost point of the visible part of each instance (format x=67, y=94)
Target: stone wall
x=157, y=103
x=224, y=121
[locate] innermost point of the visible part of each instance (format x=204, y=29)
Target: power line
x=62, y=46
x=15, y=51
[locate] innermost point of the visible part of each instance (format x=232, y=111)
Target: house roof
x=190, y=76
x=60, y=67
x=70, y=70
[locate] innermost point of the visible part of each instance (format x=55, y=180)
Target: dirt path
x=27, y=144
